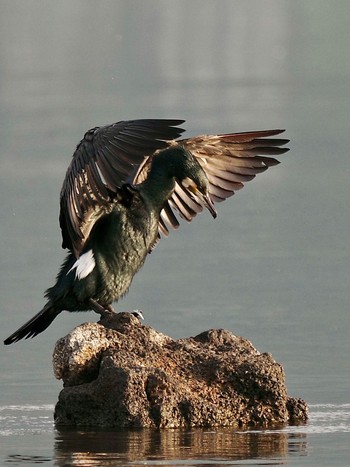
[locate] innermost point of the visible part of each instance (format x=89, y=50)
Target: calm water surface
x=314, y=443
x=274, y=267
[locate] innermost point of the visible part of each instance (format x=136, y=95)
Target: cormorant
x=119, y=196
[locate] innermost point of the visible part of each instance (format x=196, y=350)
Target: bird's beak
x=209, y=205
x=206, y=200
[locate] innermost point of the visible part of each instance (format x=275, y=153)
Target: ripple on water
x=25, y=419
x=21, y=419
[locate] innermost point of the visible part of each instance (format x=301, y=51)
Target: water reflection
x=174, y=447
x=29, y=460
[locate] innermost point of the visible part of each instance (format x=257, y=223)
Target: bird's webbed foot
x=101, y=310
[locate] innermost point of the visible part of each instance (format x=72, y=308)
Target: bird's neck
x=159, y=185
x=166, y=167
x=157, y=189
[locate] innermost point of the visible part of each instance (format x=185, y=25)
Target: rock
x=129, y=375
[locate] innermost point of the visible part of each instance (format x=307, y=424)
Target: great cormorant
x=119, y=196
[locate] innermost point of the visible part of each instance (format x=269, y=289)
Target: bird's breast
x=122, y=247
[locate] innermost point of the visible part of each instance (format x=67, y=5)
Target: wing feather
x=103, y=161
x=112, y=155
x=229, y=160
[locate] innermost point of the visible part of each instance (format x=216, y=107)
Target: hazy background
x=274, y=266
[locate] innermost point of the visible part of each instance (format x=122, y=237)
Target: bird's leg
x=108, y=312
x=100, y=309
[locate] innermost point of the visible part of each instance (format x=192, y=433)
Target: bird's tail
x=34, y=326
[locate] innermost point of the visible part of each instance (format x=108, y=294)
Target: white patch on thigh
x=84, y=265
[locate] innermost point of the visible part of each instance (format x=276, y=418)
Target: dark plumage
x=120, y=193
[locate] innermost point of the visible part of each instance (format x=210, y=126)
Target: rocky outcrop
x=125, y=374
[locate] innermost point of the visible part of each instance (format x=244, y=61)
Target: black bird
x=119, y=196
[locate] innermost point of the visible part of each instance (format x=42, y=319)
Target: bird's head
x=176, y=163
x=192, y=176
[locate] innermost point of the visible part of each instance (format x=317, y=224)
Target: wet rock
x=129, y=375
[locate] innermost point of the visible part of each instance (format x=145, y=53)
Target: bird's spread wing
x=106, y=158
x=229, y=160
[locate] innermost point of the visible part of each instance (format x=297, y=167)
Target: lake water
x=30, y=438
x=273, y=267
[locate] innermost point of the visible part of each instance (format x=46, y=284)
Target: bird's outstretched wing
x=229, y=160
x=106, y=158
x=109, y=156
